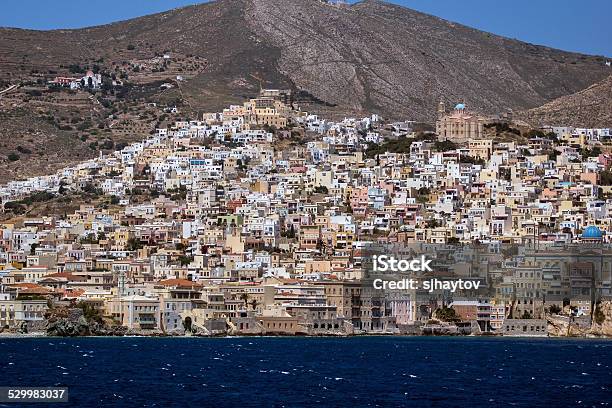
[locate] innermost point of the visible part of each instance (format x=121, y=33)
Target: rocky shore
x=568, y=326
x=72, y=322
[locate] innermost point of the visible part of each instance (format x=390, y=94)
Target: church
x=460, y=125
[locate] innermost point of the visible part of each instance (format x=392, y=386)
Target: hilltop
x=591, y=107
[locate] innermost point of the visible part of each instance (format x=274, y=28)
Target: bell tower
x=441, y=109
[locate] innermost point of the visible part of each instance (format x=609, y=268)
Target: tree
x=91, y=189
x=15, y=207
x=185, y=260
x=444, y=146
x=447, y=314
x=89, y=239
x=76, y=69
x=554, y=309
x=133, y=244
x=13, y=156
x=552, y=155
x=23, y=150
x=432, y=223
x=90, y=312
x=605, y=178
x=472, y=160
x=33, y=248
x=424, y=191
x=594, y=152
x=290, y=233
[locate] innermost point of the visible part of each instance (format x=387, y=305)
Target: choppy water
x=326, y=372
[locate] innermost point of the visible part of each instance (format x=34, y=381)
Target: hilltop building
x=460, y=125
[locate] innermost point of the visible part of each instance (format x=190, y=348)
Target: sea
x=307, y=372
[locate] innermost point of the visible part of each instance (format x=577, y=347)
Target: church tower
x=441, y=109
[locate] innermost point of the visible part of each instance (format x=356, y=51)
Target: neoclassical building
x=460, y=125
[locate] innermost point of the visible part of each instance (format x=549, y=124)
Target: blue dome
x=460, y=106
x=592, y=232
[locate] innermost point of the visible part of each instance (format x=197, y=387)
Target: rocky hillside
x=591, y=107
x=371, y=56
x=385, y=58
x=601, y=326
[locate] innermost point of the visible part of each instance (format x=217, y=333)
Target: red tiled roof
x=35, y=290
x=25, y=285
x=73, y=293
x=178, y=282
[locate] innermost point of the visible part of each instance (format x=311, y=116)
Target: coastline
x=352, y=336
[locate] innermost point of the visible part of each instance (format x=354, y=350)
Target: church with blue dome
x=592, y=234
x=460, y=125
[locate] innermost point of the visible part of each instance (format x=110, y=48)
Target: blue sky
x=574, y=25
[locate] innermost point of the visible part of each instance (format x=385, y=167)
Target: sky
x=573, y=25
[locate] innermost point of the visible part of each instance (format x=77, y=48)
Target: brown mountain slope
x=34, y=146
x=215, y=31
x=371, y=56
x=368, y=57
x=591, y=107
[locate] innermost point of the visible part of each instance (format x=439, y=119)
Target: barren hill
x=591, y=107
x=370, y=57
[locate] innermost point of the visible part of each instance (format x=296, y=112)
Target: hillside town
x=260, y=219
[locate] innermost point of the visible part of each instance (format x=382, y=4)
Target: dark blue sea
x=325, y=372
